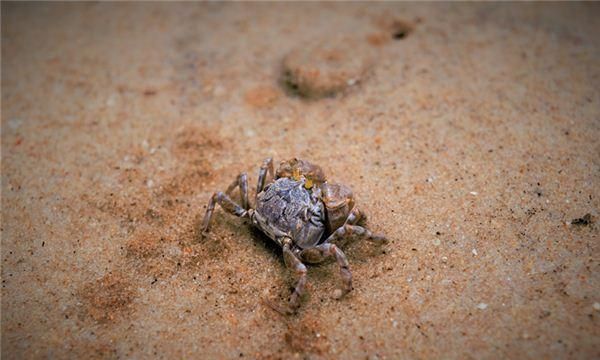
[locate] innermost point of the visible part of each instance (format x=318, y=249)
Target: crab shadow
x=269, y=246
x=322, y=275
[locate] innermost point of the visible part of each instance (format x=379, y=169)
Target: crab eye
x=308, y=183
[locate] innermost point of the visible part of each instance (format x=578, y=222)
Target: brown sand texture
x=469, y=134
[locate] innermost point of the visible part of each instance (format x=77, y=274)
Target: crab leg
x=293, y=263
x=347, y=230
x=226, y=203
x=321, y=252
x=354, y=216
x=242, y=181
x=267, y=165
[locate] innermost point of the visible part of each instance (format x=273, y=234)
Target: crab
x=303, y=213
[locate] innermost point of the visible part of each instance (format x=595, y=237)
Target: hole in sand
x=400, y=29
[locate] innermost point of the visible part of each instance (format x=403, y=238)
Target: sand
x=468, y=132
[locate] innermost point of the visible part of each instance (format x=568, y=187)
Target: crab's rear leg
x=242, y=181
x=294, y=264
x=345, y=232
x=226, y=203
x=354, y=216
x=324, y=251
x=267, y=166
x=299, y=268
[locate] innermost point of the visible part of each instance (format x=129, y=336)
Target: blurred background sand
x=471, y=140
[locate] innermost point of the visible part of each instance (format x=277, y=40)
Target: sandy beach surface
x=469, y=134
